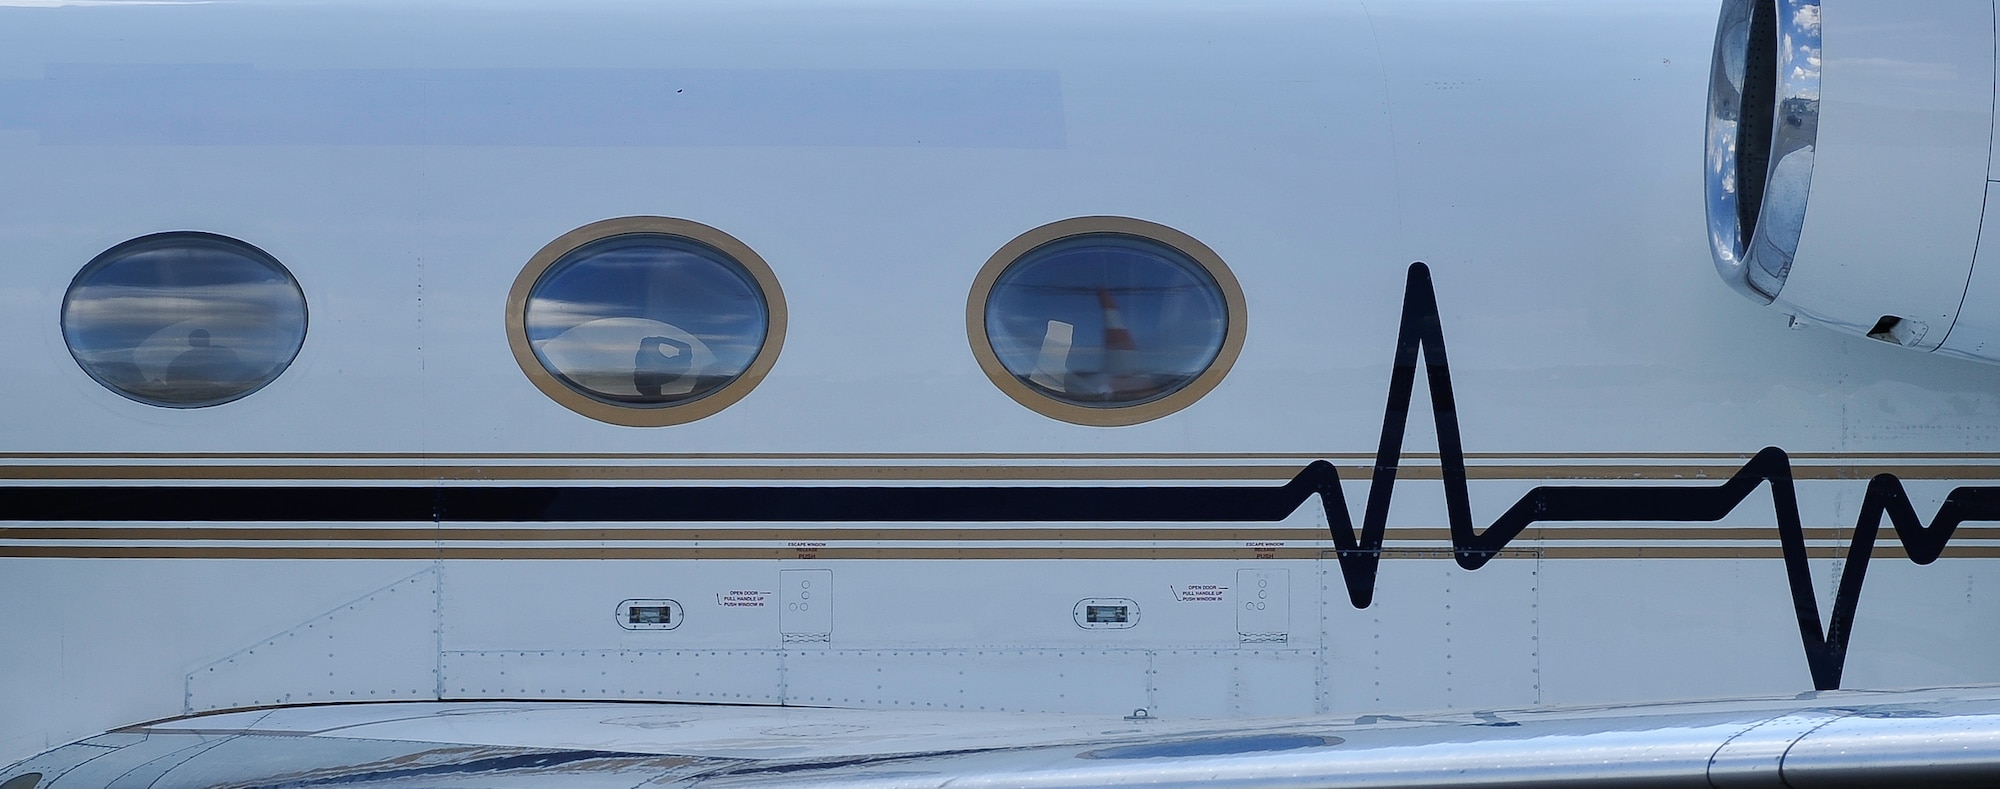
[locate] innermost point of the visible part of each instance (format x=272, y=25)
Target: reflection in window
x=646, y=319
x=184, y=320
x=1106, y=320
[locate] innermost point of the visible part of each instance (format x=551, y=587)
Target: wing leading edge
x=1928, y=738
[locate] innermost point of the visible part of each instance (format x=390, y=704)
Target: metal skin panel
x=396, y=626
x=1975, y=334
x=1450, y=642
x=1635, y=488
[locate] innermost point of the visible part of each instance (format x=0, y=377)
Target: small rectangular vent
x=649, y=614
x=1105, y=613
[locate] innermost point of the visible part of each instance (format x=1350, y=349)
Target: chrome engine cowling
x=1849, y=154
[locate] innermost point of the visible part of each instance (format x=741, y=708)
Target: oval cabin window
x=184, y=320
x=646, y=321
x=1106, y=320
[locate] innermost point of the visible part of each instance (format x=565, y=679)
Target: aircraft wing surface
x=1912, y=738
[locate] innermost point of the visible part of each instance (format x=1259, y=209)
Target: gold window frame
x=645, y=416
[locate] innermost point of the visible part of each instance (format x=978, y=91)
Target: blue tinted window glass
x=184, y=320
x=647, y=320
x=1106, y=320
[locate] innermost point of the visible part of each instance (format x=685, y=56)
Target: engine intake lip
x=1763, y=128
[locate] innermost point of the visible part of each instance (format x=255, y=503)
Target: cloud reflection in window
x=1106, y=320
x=184, y=320
x=646, y=319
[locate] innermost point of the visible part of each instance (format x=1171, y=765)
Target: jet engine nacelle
x=1849, y=152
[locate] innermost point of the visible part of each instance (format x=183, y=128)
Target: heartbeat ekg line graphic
x=1826, y=649
x=1359, y=552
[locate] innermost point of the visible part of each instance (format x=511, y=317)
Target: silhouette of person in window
x=660, y=361
x=203, y=366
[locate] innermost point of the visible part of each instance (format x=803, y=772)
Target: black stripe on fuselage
x=1359, y=553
